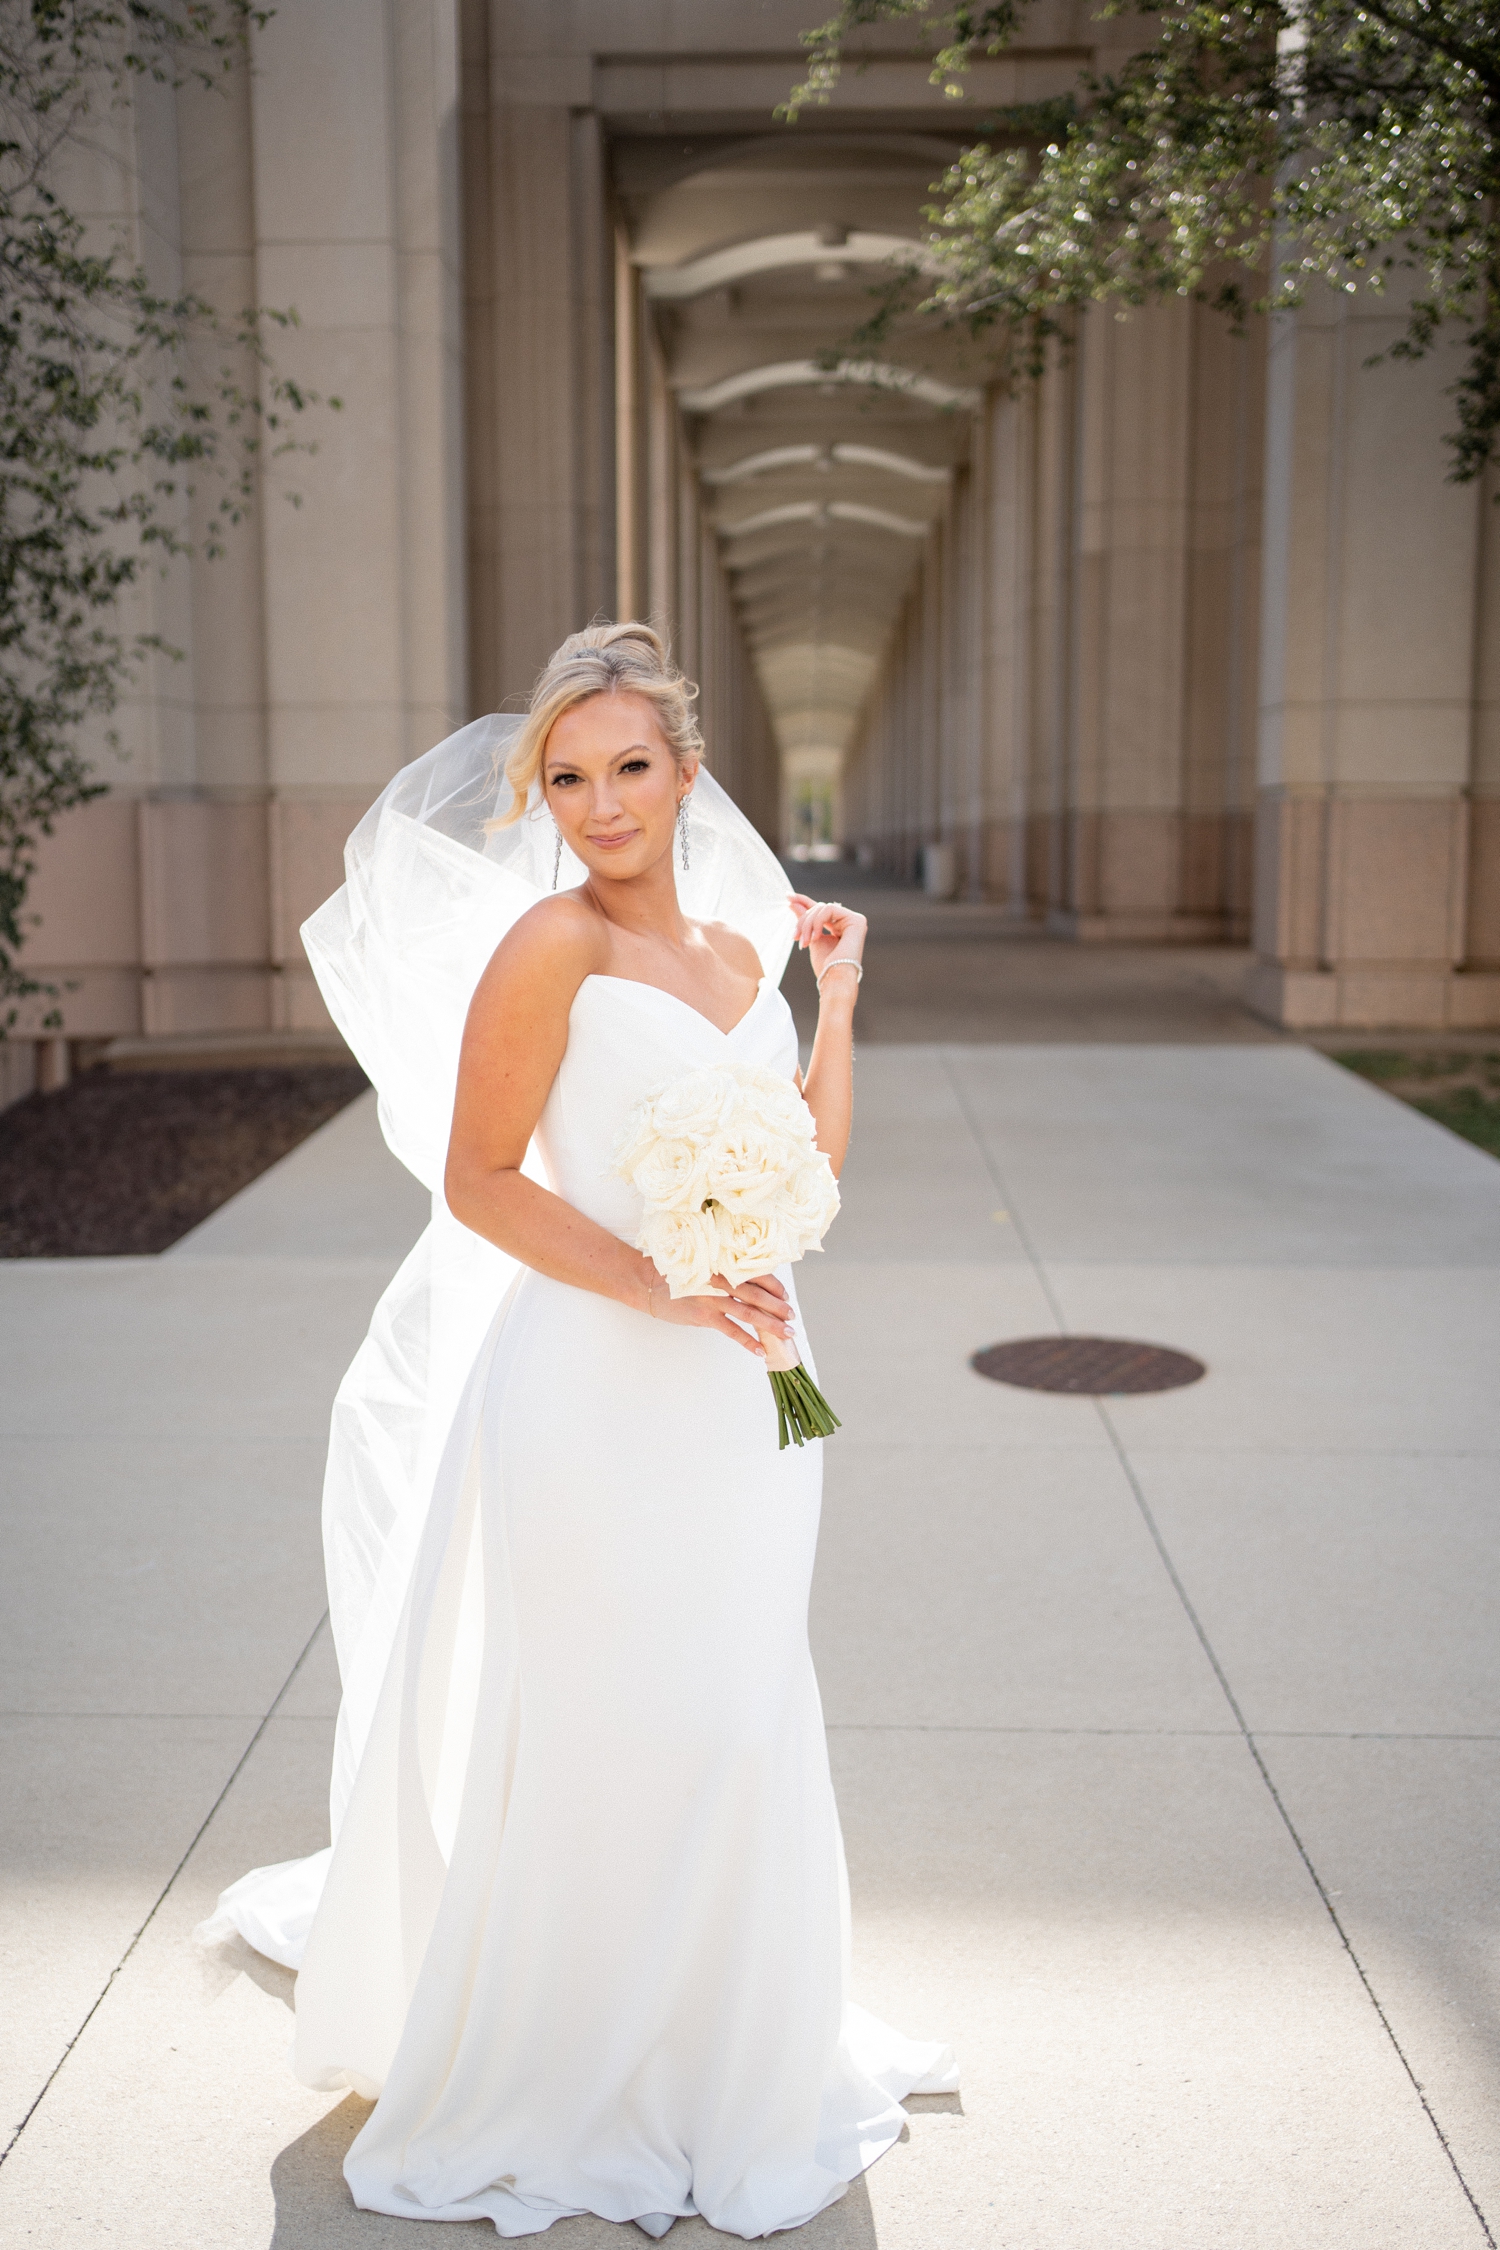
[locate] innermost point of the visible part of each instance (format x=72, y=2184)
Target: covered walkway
x=1166, y=1730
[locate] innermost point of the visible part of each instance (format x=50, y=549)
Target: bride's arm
x=514, y=1039
x=831, y=935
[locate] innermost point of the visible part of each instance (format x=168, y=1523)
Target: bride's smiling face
x=613, y=785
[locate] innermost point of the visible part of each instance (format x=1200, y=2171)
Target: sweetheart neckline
x=602, y=976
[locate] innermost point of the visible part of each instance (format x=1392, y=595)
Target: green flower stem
x=802, y=1412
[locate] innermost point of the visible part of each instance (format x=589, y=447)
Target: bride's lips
x=613, y=843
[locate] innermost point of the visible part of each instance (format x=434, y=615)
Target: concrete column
x=1126, y=738
x=1011, y=638
x=1001, y=502
x=1222, y=628
x=356, y=225
x=1482, y=922
x=929, y=811
x=1050, y=539
x=541, y=299
x=662, y=479
x=1167, y=404
x=630, y=434
x=216, y=168
x=424, y=48
x=691, y=540
x=974, y=600
x=1375, y=842
x=153, y=903
x=525, y=522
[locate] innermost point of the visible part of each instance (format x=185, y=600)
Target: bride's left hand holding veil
x=833, y=938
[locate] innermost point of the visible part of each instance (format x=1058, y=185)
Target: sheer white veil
x=397, y=953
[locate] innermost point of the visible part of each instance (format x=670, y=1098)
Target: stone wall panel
x=1482, y=928
x=308, y=835
x=204, y=883
x=1396, y=874
x=86, y=893
x=183, y=1001
x=1289, y=855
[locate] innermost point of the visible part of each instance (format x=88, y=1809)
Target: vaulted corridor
x=1188, y=642
x=824, y=480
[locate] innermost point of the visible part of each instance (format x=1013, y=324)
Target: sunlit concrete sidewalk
x=1166, y=1731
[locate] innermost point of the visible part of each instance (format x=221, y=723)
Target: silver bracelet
x=844, y=961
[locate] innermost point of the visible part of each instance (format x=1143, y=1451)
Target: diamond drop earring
x=557, y=855
x=682, y=830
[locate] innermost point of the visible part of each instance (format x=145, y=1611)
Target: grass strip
x=1456, y=1088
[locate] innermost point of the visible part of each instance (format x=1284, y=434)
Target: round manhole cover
x=1088, y=1366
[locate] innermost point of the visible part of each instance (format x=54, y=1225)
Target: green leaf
x=1242, y=154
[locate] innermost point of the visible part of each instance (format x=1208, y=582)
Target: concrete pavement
x=1166, y=1729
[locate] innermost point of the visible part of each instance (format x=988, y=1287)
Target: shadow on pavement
x=314, y=2210
x=232, y=1958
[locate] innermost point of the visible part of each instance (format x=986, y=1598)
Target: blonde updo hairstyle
x=628, y=659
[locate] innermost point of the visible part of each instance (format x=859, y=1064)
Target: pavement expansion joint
x=165, y=1891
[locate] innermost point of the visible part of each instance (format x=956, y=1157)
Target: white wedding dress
x=583, y=1934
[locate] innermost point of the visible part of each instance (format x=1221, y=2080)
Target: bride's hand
x=742, y=1311
x=828, y=931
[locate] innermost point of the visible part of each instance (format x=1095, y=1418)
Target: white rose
x=775, y=1104
x=669, y=1174
x=750, y=1243
x=684, y=1248
x=809, y=1201
x=744, y=1165
x=756, y=1077
x=635, y=1136
x=693, y=1107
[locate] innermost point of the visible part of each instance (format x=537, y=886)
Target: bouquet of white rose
x=734, y=1184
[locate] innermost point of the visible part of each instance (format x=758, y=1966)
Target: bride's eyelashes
x=566, y=780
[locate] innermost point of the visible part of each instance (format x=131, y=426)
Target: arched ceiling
x=831, y=251
x=823, y=472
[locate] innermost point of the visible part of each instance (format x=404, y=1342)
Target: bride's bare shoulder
x=732, y=947
x=548, y=951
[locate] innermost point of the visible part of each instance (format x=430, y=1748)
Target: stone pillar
x=325, y=646
x=1222, y=628
x=540, y=293
x=1125, y=740
x=972, y=603
x=1137, y=772
x=217, y=194
x=356, y=225
x=1049, y=486
x=1482, y=921
x=1002, y=501
x=1375, y=875
x=91, y=929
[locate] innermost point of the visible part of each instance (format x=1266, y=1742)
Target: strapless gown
x=585, y=1930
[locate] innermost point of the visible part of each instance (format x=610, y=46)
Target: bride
x=583, y=1932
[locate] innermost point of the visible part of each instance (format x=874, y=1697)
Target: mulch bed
x=1461, y=1091
x=122, y=1163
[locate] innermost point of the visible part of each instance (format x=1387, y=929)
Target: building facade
x=1189, y=641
